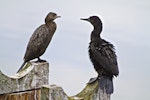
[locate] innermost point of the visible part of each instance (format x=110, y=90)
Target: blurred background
x=125, y=24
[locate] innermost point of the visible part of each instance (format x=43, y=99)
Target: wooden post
x=31, y=83
x=26, y=83
x=93, y=92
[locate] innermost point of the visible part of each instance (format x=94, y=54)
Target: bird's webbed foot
x=92, y=80
x=40, y=60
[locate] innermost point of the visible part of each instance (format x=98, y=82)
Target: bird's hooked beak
x=85, y=19
x=58, y=17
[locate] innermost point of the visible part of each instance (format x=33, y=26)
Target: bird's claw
x=92, y=80
x=40, y=60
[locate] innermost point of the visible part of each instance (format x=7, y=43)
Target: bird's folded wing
x=39, y=35
x=106, y=57
x=38, y=41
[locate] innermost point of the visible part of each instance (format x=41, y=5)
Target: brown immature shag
x=40, y=39
x=102, y=56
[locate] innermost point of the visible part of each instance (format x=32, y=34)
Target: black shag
x=40, y=39
x=103, y=57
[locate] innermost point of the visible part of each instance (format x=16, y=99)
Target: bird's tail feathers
x=21, y=66
x=106, y=83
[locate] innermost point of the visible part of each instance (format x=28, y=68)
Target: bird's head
x=51, y=17
x=94, y=20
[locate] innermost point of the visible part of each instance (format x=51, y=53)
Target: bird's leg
x=40, y=60
x=93, y=80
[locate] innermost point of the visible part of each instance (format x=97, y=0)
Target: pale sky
x=126, y=25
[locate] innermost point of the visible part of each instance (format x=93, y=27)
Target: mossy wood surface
x=31, y=83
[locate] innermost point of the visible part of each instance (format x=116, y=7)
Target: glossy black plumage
x=102, y=55
x=40, y=39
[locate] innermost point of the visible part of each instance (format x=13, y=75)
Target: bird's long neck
x=51, y=26
x=95, y=35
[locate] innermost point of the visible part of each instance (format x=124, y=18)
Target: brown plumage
x=40, y=39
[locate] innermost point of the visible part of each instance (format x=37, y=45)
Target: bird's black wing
x=105, y=56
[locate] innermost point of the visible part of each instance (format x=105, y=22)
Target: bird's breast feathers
x=105, y=56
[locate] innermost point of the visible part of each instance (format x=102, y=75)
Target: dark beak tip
x=58, y=16
x=84, y=19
